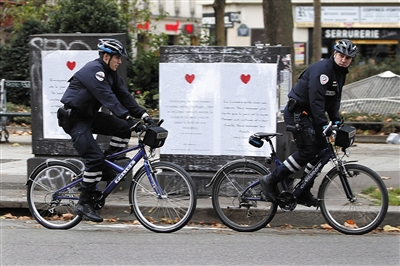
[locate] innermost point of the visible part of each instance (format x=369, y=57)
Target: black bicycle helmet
x=112, y=46
x=346, y=47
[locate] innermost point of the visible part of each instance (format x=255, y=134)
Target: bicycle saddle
x=263, y=135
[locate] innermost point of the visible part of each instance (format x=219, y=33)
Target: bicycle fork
x=344, y=175
x=154, y=180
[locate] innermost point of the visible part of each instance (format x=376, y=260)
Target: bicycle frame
x=123, y=171
x=324, y=156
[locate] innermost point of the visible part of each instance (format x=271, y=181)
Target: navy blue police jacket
x=96, y=85
x=319, y=90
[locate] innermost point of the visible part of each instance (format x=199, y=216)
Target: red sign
x=189, y=28
x=173, y=27
x=144, y=26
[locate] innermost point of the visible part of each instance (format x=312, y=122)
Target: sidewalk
x=383, y=158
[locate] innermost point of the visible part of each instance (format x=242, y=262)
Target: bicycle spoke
x=361, y=214
x=48, y=208
x=174, y=208
x=234, y=210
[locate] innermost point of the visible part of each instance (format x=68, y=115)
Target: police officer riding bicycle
x=318, y=91
x=94, y=85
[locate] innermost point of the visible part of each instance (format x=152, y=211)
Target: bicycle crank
x=287, y=201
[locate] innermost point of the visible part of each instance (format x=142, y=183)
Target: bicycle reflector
x=255, y=141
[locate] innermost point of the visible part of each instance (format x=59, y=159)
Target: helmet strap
x=109, y=60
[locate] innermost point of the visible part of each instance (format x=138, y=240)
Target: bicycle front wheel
x=172, y=207
x=360, y=214
x=243, y=213
x=51, y=197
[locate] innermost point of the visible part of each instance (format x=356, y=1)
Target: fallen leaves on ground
x=65, y=217
x=326, y=226
x=388, y=228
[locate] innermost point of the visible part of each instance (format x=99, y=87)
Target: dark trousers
x=87, y=147
x=309, y=142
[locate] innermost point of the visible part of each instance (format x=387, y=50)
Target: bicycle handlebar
x=328, y=128
x=145, y=126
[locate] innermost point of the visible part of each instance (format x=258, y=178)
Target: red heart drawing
x=71, y=65
x=245, y=78
x=189, y=78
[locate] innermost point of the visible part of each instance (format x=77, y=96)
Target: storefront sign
x=388, y=14
x=173, y=27
x=360, y=34
x=380, y=14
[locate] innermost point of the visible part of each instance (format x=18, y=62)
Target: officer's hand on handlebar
x=149, y=121
x=134, y=125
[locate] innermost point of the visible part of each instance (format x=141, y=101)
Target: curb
x=204, y=213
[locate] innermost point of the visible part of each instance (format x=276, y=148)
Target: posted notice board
x=57, y=68
x=213, y=108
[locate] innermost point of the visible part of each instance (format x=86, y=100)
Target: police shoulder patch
x=100, y=76
x=323, y=79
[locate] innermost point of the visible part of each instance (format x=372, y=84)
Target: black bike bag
x=155, y=137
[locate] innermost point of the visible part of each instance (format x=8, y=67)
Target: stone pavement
x=383, y=158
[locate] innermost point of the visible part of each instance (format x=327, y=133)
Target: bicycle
x=352, y=197
x=162, y=195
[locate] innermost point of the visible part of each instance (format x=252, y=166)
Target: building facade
x=374, y=25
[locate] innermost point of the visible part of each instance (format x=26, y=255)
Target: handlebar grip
x=160, y=122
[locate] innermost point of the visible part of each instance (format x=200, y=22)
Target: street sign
x=208, y=19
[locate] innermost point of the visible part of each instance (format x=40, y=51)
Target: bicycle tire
x=46, y=179
x=230, y=182
x=163, y=214
x=362, y=215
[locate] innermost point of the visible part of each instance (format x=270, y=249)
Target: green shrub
x=18, y=108
x=368, y=124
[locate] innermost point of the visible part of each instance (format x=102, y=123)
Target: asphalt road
x=27, y=243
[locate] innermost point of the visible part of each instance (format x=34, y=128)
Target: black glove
x=149, y=121
x=134, y=125
x=327, y=130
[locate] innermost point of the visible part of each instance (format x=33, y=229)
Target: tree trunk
x=219, y=10
x=317, y=35
x=278, y=25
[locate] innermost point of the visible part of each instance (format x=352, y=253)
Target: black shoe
x=87, y=210
x=269, y=187
x=307, y=199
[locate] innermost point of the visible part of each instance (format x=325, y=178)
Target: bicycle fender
x=244, y=160
x=49, y=162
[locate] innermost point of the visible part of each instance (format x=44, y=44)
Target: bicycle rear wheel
x=49, y=204
x=169, y=211
x=245, y=213
x=360, y=215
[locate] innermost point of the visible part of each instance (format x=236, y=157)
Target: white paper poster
x=213, y=108
x=57, y=68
